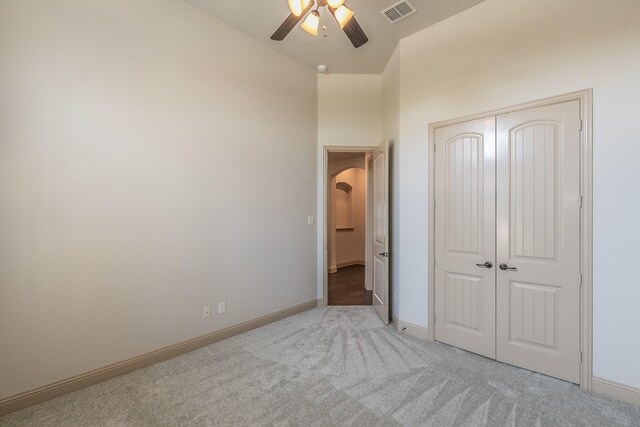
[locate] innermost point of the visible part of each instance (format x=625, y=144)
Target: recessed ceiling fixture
x=398, y=11
x=309, y=10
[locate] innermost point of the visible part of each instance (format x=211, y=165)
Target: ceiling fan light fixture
x=306, y=14
x=298, y=6
x=310, y=25
x=343, y=15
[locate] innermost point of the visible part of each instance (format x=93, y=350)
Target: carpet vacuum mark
x=329, y=366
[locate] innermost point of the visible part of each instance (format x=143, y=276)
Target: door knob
x=487, y=264
x=384, y=254
x=505, y=267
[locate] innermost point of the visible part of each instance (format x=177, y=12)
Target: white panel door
x=538, y=239
x=465, y=236
x=381, y=231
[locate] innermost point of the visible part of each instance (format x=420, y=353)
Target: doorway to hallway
x=348, y=248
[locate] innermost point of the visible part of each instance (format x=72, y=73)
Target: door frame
x=325, y=204
x=586, y=217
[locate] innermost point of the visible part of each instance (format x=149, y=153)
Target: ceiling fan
x=311, y=9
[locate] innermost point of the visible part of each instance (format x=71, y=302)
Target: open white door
x=381, y=231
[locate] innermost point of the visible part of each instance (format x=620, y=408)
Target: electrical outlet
x=311, y=220
x=206, y=312
x=222, y=307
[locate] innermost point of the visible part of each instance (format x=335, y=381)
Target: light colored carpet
x=329, y=366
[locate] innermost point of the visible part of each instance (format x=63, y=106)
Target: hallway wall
x=350, y=243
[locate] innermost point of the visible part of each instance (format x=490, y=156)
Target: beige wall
x=145, y=171
x=350, y=243
x=505, y=52
x=349, y=111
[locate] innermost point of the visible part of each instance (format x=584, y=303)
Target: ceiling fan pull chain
x=324, y=22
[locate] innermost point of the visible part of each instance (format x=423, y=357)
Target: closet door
x=465, y=236
x=538, y=239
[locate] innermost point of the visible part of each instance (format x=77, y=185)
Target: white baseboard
x=350, y=263
x=334, y=269
x=59, y=388
x=616, y=390
x=411, y=329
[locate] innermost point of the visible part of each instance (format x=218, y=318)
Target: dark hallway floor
x=346, y=287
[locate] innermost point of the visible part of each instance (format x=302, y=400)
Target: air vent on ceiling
x=398, y=11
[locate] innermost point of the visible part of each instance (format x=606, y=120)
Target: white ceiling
x=260, y=18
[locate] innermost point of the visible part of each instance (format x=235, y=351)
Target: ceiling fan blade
x=356, y=34
x=353, y=30
x=289, y=24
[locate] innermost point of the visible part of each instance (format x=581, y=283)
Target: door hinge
x=580, y=356
x=580, y=279
x=434, y=205
x=434, y=148
x=581, y=201
x=434, y=263
x=581, y=124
